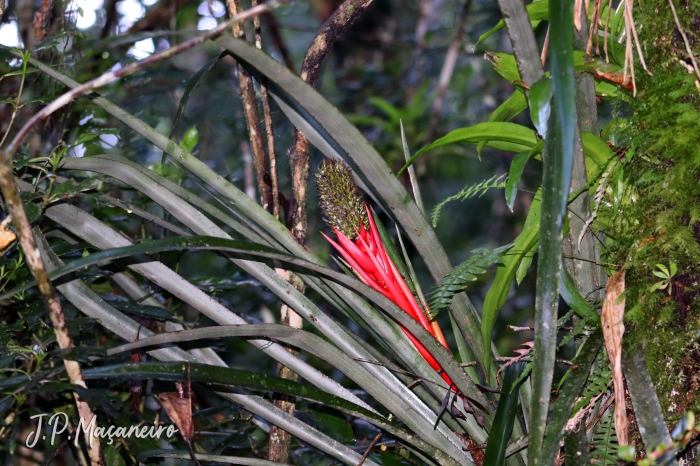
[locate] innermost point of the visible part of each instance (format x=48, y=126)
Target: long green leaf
x=498, y=291
x=556, y=179
x=512, y=107
x=189, y=89
x=86, y=300
x=572, y=297
x=148, y=182
x=505, y=417
x=514, y=173
x=335, y=137
x=647, y=409
x=562, y=407
x=505, y=136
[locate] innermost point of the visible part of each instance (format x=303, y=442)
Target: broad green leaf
x=258, y=252
x=334, y=426
x=556, y=179
x=504, y=420
x=656, y=286
x=190, y=139
x=505, y=65
x=536, y=11
x=33, y=211
x=498, y=291
x=512, y=107
x=508, y=137
x=540, y=98
x=113, y=457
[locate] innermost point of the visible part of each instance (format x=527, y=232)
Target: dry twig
x=252, y=117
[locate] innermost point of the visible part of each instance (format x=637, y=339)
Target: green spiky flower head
x=341, y=201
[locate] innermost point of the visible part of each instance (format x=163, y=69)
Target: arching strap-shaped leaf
x=256, y=252
x=218, y=377
x=335, y=137
x=505, y=416
x=512, y=107
x=505, y=136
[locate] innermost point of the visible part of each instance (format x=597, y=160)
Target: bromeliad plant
x=360, y=244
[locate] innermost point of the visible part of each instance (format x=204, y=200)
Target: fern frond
x=605, y=442
x=597, y=383
x=496, y=181
x=466, y=272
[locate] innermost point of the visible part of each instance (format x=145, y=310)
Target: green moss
x=660, y=220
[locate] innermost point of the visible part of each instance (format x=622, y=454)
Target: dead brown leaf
x=613, y=329
x=178, y=405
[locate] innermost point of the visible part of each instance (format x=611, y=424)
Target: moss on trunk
x=658, y=222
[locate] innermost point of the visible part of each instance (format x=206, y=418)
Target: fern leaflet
x=605, y=442
x=457, y=280
x=496, y=181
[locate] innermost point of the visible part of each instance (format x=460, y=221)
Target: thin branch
x=685, y=40
x=508, y=359
x=339, y=22
x=369, y=449
x=110, y=76
x=448, y=69
x=252, y=117
x=268, y=127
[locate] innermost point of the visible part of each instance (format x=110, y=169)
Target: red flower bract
x=369, y=259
